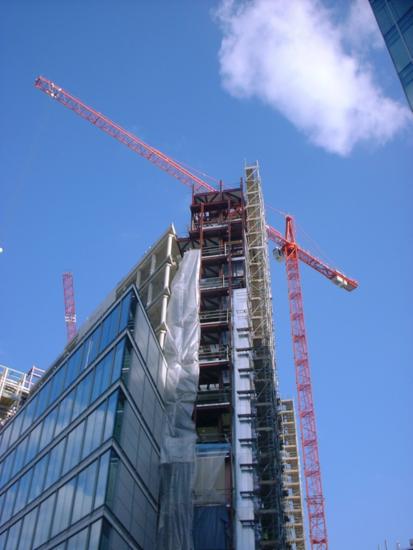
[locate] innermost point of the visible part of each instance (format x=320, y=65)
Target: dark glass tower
x=79, y=461
x=395, y=19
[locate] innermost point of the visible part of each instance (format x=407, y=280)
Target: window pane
x=57, y=384
x=15, y=428
x=127, y=313
x=49, y=424
x=117, y=366
x=5, y=438
x=82, y=398
x=78, y=541
x=43, y=521
x=84, y=492
x=33, y=445
x=113, y=472
x=63, y=507
x=384, y=18
x=110, y=416
x=142, y=332
x=26, y=536
x=9, y=503
x=13, y=538
x=65, y=412
x=43, y=399
x=73, y=366
x=8, y=463
x=400, y=7
x=102, y=376
x=28, y=417
x=91, y=347
x=74, y=448
x=102, y=480
x=55, y=463
x=94, y=428
x=39, y=473
x=94, y=537
x=397, y=50
x=110, y=328
x=19, y=457
x=153, y=357
x=23, y=492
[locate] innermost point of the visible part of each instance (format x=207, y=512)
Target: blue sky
x=74, y=199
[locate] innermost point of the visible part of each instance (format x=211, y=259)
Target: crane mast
x=306, y=413
x=287, y=247
x=70, y=311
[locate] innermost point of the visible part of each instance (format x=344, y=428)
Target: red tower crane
x=287, y=248
x=70, y=311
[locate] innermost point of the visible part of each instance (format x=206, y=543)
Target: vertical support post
x=70, y=312
x=309, y=442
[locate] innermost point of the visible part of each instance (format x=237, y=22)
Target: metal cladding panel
x=243, y=455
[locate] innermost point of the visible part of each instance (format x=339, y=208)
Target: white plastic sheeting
x=179, y=435
x=209, y=486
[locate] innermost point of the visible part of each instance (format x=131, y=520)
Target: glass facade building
x=395, y=19
x=79, y=461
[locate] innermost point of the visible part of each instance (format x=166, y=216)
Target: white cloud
x=361, y=30
x=292, y=56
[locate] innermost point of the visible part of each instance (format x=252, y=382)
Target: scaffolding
x=15, y=387
x=237, y=396
x=293, y=506
x=270, y=519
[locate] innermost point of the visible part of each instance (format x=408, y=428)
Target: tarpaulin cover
x=211, y=528
x=179, y=436
x=209, y=485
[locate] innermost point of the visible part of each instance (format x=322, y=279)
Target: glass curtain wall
x=79, y=462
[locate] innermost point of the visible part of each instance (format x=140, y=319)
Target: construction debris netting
x=179, y=434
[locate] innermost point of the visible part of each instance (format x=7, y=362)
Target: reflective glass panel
x=63, y=507
x=78, y=541
x=57, y=384
x=117, y=365
x=83, y=392
x=13, y=538
x=102, y=480
x=43, y=399
x=33, y=445
x=26, y=535
x=110, y=328
x=110, y=416
x=125, y=311
x=23, y=492
x=49, y=424
x=43, y=521
x=73, y=448
x=94, y=428
x=19, y=456
x=65, y=412
x=102, y=376
x=84, y=492
x=8, y=506
x=39, y=473
x=55, y=463
x=94, y=536
x=73, y=366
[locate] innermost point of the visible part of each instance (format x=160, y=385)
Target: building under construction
x=161, y=424
x=235, y=497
